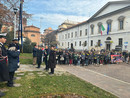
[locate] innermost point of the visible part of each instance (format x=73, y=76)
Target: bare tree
x=7, y=13
x=50, y=39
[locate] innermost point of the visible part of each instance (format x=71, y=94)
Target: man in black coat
x=4, y=73
x=39, y=56
x=46, y=57
x=52, y=60
x=34, y=55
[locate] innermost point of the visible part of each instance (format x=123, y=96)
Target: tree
x=27, y=47
x=50, y=39
x=7, y=13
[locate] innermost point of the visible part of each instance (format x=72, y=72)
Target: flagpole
x=21, y=8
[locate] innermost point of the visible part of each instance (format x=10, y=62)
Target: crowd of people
x=9, y=58
x=85, y=58
x=48, y=55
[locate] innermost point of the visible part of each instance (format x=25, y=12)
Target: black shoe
x=37, y=67
x=50, y=73
x=2, y=94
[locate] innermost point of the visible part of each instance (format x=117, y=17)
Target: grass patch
x=26, y=58
x=35, y=85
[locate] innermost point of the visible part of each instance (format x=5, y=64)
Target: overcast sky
x=51, y=13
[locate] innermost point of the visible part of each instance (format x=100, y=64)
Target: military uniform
x=4, y=73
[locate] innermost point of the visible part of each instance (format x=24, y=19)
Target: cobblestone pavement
x=112, y=78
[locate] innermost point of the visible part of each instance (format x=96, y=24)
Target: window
x=109, y=25
x=62, y=36
x=99, y=43
x=79, y=43
x=121, y=22
x=85, y=43
x=32, y=35
x=120, y=41
x=68, y=35
x=92, y=29
x=62, y=44
x=75, y=43
x=99, y=27
x=91, y=42
x=80, y=32
x=65, y=36
x=75, y=34
x=68, y=44
x=86, y=32
x=72, y=35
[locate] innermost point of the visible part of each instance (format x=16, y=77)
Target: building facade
x=33, y=33
x=114, y=17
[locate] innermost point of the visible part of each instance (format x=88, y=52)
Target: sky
x=52, y=13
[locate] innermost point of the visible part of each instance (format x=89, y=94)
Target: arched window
x=121, y=22
x=99, y=27
x=108, y=38
x=92, y=29
x=109, y=24
x=32, y=35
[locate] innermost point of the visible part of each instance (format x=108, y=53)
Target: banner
x=116, y=58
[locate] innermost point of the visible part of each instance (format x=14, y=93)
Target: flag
x=108, y=29
x=102, y=29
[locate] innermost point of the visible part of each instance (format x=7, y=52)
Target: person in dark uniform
x=52, y=60
x=14, y=43
x=34, y=55
x=46, y=57
x=39, y=56
x=4, y=73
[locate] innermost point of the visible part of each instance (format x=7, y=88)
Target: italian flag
x=102, y=29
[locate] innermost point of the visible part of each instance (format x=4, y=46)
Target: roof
x=75, y=25
x=111, y=2
x=31, y=26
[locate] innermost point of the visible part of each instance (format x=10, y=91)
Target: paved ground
x=112, y=78
x=118, y=71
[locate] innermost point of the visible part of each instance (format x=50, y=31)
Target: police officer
x=4, y=73
x=14, y=43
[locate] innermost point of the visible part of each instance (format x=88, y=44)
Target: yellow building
x=33, y=33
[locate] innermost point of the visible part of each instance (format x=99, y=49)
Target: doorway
x=108, y=43
x=108, y=46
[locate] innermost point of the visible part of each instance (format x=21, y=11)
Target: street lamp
x=15, y=11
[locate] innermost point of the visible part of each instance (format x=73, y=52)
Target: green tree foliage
x=27, y=46
x=33, y=44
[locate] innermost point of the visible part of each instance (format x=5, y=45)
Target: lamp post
x=15, y=11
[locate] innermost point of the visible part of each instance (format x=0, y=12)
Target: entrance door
x=108, y=47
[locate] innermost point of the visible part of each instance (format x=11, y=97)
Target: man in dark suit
x=52, y=60
x=46, y=57
x=34, y=54
x=4, y=73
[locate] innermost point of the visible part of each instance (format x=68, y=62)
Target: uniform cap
x=3, y=35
